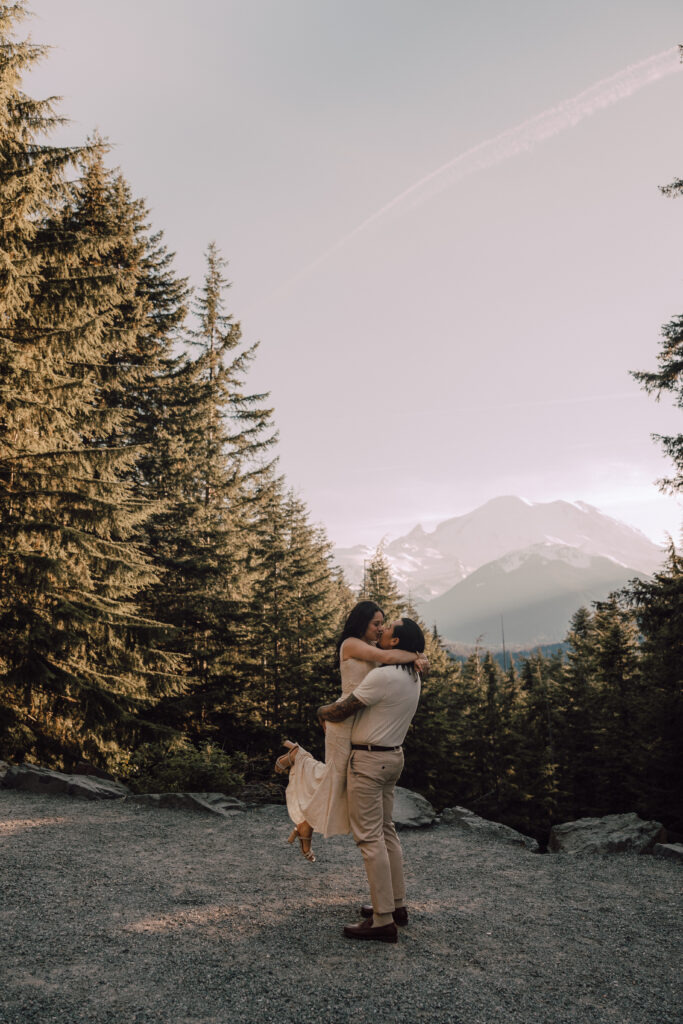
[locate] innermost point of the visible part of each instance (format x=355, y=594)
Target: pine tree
x=210, y=471
x=535, y=748
x=298, y=606
x=429, y=742
x=76, y=667
x=658, y=608
x=579, y=724
x=379, y=586
x=615, y=657
x=658, y=604
x=32, y=179
x=669, y=377
x=466, y=714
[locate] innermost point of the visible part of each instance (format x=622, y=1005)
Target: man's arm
x=340, y=710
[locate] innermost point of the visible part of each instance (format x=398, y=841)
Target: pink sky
x=473, y=338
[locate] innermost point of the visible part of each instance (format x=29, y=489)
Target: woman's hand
x=422, y=664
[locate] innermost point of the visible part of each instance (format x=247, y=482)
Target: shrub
x=176, y=766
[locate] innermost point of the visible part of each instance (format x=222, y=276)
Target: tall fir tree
x=579, y=725
x=298, y=605
x=658, y=604
x=466, y=713
x=616, y=676
x=668, y=377
x=379, y=586
x=536, y=744
x=658, y=608
x=73, y=649
x=429, y=741
x=211, y=470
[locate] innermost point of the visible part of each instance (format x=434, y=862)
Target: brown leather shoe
x=400, y=914
x=365, y=930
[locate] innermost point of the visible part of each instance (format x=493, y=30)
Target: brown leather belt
x=371, y=746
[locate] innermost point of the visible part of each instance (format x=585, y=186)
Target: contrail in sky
x=519, y=139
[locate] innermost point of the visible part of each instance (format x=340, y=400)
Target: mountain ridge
x=533, y=599
x=542, y=561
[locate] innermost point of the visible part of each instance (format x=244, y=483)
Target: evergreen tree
x=535, y=728
x=466, y=713
x=379, y=586
x=429, y=742
x=580, y=722
x=492, y=734
x=210, y=471
x=658, y=604
x=298, y=605
x=658, y=609
x=615, y=675
x=669, y=378
x=76, y=670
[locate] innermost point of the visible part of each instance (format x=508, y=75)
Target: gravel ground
x=117, y=913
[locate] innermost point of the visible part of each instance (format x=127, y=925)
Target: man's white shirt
x=391, y=695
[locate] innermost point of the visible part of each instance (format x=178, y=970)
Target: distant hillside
x=535, y=592
x=461, y=652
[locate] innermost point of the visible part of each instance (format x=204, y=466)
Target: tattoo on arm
x=341, y=710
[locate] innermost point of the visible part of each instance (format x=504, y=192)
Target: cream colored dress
x=316, y=792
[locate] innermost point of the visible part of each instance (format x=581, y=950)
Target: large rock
x=615, y=833
x=35, y=779
x=412, y=810
x=468, y=820
x=207, y=803
x=671, y=851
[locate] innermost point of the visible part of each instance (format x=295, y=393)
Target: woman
x=316, y=792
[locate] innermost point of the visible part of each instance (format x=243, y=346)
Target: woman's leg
x=304, y=833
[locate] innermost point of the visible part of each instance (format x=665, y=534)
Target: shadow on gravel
x=116, y=913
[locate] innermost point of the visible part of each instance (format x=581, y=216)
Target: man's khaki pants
x=372, y=776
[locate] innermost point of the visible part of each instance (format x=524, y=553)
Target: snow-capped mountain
x=531, y=594
x=533, y=564
x=419, y=569
x=427, y=564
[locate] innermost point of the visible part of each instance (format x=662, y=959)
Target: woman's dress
x=316, y=792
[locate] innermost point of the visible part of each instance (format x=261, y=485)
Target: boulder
x=615, y=833
x=412, y=810
x=671, y=851
x=468, y=820
x=206, y=803
x=34, y=779
x=3, y=770
x=86, y=768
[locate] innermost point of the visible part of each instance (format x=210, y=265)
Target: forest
x=168, y=611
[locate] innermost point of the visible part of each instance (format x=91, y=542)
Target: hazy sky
x=472, y=338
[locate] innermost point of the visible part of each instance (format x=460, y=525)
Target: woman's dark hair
x=359, y=618
x=410, y=636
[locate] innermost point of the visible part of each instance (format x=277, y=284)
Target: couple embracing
x=353, y=790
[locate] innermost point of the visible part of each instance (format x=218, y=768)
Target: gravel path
x=111, y=912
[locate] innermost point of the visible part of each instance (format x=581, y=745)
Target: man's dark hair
x=410, y=636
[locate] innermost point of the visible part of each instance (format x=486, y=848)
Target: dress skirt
x=316, y=791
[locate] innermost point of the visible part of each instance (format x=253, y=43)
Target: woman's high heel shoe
x=305, y=840
x=284, y=763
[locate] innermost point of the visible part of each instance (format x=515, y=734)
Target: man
x=384, y=705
